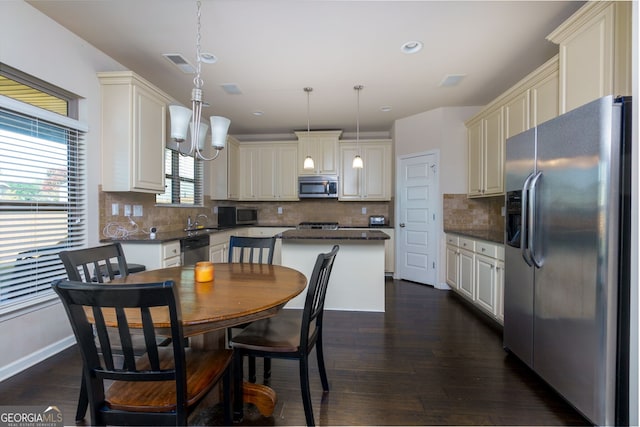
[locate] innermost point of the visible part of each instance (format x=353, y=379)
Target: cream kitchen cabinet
x=595, y=53
x=373, y=181
x=154, y=255
x=224, y=173
x=322, y=146
x=486, y=154
x=269, y=171
x=219, y=246
x=134, y=124
x=530, y=102
x=475, y=270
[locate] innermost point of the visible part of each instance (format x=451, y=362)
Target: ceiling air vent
x=179, y=61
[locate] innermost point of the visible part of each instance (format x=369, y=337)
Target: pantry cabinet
x=134, y=124
x=322, y=146
x=373, y=181
x=595, y=53
x=269, y=171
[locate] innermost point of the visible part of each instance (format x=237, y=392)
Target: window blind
x=42, y=198
x=183, y=180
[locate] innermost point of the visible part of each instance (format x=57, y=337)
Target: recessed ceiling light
x=208, y=58
x=452, y=80
x=385, y=108
x=412, y=46
x=258, y=113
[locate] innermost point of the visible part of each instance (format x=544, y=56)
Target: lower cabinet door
x=486, y=283
x=453, y=266
x=465, y=285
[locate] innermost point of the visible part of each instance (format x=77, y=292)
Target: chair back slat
x=150, y=338
x=125, y=340
x=314, y=303
x=251, y=249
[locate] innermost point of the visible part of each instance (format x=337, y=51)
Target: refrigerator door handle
x=524, y=223
x=531, y=217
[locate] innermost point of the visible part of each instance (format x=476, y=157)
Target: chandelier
x=184, y=119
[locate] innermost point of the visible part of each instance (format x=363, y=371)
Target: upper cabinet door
x=595, y=53
x=322, y=146
x=134, y=121
x=493, y=154
x=475, y=159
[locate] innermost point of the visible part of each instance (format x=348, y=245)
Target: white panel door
x=417, y=233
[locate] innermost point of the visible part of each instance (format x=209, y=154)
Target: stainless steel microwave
x=318, y=186
x=230, y=216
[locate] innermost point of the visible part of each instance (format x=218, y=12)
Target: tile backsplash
x=463, y=213
x=175, y=218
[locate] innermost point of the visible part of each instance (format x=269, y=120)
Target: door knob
x=402, y=224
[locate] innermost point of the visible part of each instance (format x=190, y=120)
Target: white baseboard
x=35, y=357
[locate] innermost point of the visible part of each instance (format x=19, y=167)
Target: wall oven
x=318, y=186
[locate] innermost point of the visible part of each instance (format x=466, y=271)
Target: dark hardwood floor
x=429, y=360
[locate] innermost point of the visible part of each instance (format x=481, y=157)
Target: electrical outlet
x=115, y=209
x=364, y=211
x=215, y=210
x=127, y=210
x=137, y=210
x=502, y=211
x=279, y=210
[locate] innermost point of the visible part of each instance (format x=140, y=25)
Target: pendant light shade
x=357, y=160
x=202, y=134
x=180, y=121
x=308, y=161
x=219, y=129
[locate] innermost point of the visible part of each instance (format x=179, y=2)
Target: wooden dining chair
x=288, y=335
x=251, y=250
x=164, y=385
x=97, y=264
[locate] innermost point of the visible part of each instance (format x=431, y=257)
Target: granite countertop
x=488, y=235
x=314, y=234
x=162, y=237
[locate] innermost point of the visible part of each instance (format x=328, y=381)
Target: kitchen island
x=357, y=278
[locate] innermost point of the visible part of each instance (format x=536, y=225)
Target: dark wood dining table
x=238, y=294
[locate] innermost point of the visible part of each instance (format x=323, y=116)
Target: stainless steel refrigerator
x=566, y=302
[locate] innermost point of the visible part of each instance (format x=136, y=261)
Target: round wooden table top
x=238, y=294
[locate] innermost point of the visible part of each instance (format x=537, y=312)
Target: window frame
x=75, y=182
x=173, y=176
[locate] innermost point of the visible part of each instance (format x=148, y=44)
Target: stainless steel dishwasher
x=194, y=249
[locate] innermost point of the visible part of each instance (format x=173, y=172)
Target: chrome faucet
x=189, y=223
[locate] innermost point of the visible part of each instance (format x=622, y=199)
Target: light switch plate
x=137, y=210
x=364, y=211
x=115, y=209
x=127, y=210
x=279, y=210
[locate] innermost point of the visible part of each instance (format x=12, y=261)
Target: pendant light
x=308, y=161
x=182, y=118
x=357, y=160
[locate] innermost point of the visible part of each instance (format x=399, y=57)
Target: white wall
x=441, y=129
x=36, y=45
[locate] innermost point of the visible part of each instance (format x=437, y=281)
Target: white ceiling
x=272, y=49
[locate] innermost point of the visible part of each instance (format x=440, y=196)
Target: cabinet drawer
x=452, y=240
x=171, y=249
x=486, y=249
x=467, y=244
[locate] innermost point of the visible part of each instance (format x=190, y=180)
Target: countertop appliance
x=318, y=225
x=318, y=187
x=566, y=295
x=230, y=216
x=377, y=221
x=194, y=249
